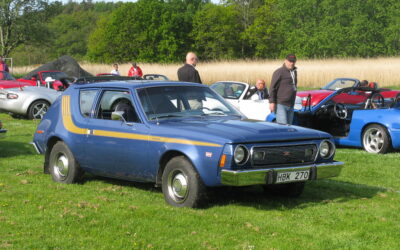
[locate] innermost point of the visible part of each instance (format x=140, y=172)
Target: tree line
x=35, y=31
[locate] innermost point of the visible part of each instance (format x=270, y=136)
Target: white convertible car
x=239, y=95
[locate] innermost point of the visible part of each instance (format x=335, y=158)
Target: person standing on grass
x=135, y=70
x=115, y=71
x=188, y=73
x=283, y=90
x=3, y=65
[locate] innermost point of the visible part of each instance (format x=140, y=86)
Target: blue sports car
x=183, y=137
x=356, y=117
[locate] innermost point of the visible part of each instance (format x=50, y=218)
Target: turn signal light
x=222, y=161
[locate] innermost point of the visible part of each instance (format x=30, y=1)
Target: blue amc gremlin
x=183, y=137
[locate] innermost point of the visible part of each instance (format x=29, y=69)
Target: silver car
x=30, y=101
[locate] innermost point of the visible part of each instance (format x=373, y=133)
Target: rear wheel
x=181, y=184
x=38, y=109
x=376, y=139
x=292, y=190
x=62, y=164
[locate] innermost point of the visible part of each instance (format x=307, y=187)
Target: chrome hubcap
x=39, y=110
x=373, y=140
x=61, y=167
x=178, y=188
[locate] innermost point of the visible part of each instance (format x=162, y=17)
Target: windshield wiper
x=165, y=116
x=218, y=113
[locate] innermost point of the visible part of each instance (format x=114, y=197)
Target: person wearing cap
x=283, y=90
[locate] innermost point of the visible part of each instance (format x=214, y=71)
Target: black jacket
x=283, y=89
x=187, y=73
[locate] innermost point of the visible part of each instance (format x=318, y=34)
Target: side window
x=117, y=101
x=86, y=99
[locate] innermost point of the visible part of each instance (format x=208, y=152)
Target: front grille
x=298, y=154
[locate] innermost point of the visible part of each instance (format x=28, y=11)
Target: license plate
x=292, y=176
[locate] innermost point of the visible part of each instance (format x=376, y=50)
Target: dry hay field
x=312, y=73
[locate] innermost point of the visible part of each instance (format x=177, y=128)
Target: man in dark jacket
x=283, y=90
x=188, y=73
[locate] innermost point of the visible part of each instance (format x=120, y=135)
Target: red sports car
x=316, y=96
x=7, y=81
x=50, y=78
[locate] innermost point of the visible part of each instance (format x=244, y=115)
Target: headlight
x=326, y=149
x=12, y=96
x=240, y=155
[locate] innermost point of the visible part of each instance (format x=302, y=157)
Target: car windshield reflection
x=4, y=75
x=183, y=101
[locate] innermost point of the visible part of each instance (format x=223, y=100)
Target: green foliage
x=216, y=33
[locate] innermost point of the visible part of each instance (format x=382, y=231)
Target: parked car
x=8, y=81
x=183, y=137
x=372, y=123
x=49, y=78
x=316, y=96
x=239, y=94
x=156, y=77
x=2, y=131
x=30, y=101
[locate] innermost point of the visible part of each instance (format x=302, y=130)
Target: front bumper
x=3, y=133
x=268, y=175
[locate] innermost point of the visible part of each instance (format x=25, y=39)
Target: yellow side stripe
x=71, y=127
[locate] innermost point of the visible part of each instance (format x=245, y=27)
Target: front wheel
x=376, y=139
x=63, y=166
x=38, y=109
x=181, y=184
x=292, y=190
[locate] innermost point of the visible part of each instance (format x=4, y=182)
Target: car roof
x=135, y=84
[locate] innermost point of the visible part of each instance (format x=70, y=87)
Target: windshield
x=340, y=84
x=183, y=101
x=4, y=75
x=229, y=90
x=54, y=75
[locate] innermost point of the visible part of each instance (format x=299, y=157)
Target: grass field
x=358, y=210
x=311, y=73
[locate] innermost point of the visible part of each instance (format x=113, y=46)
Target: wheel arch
x=165, y=158
x=379, y=124
x=33, y=101
x=49, y=146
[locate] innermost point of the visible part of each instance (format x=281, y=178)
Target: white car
x=239, y=95
x=30, y=101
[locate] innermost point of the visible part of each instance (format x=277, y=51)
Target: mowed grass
x=358, y=210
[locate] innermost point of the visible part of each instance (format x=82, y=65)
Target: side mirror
x=118, y=116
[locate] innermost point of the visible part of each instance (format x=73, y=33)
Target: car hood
x=238, y=131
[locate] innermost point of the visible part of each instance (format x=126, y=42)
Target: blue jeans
x=284, y=114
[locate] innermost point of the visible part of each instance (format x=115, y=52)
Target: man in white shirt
x=115, y=70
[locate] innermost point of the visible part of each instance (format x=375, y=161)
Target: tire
x=37, y=109
x=376, y=139
x=292, y=190
x=181, y=184
x=63, y=166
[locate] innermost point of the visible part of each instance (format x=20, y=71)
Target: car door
x=117, y=148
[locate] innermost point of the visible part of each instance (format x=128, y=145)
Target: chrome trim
x=332, y=149
x=285, y=145
x=247, y=158
x=35, y=146
x=268, y=175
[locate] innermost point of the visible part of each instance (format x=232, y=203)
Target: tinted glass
x=86, y=99
x=112, y=101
